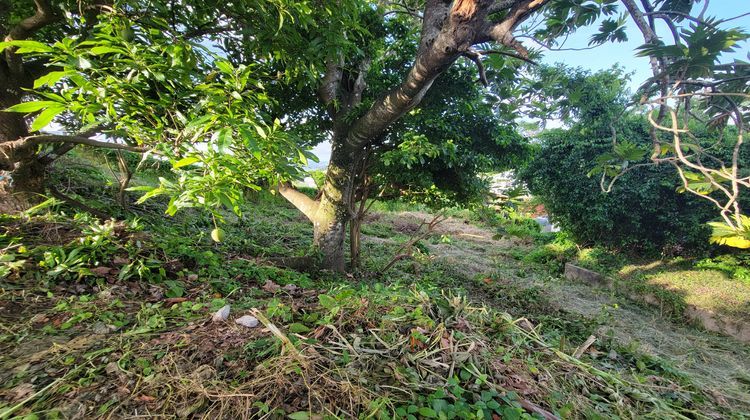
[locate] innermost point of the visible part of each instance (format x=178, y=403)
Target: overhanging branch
x=11, y=150
x=55, y=138
x=301, y=201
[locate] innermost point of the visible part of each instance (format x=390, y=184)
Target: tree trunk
x=333, y=213
x=21, y=177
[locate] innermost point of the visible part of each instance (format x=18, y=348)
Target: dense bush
x=643, y=213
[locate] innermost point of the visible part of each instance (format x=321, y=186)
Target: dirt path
x=716, y=363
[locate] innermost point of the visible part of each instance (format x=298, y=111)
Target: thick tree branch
x=301, y=201
x=502, y=32
x=501, y=5
x=11, y=150
x=55, y=138
x=354, y=96
x=448, y=32
x=44, y=15
x=328, y=92
x=648, y=34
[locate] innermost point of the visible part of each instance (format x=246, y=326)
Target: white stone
x=221, y=315
x=247, y=321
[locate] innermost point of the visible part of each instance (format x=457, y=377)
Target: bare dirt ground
x=714, y=362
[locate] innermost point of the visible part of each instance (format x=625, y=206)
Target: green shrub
x=554, y=254
x=643, y=213
x=737, y=266
x=600, y=259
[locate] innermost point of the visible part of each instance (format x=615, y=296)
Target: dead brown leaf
x=271, y=287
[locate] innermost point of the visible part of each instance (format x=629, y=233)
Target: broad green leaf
x=50, y=78
x=224, y=138
x=261, y=131
x=103, y=49
x=427, y=412
x=152, y=193
x=297, y=328
x=46, y=116
x=185, y=162
x=26, y=46
x=327, y=301
x=225, y=67
x=32, y=106
x=83, y=63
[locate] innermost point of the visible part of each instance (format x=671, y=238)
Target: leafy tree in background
x=644, y=213
x=692, y=90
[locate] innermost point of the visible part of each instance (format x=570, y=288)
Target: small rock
x=38, y=318
x=247, y=321
x=100, y=328
x=112, y=368
x=221, y=315
x=156, y=293
x=105, y=295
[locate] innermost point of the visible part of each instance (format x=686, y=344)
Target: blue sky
x=605, y=56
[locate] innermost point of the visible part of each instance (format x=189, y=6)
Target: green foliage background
x=644, y=213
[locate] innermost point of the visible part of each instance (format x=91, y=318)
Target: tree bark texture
x=21, y=174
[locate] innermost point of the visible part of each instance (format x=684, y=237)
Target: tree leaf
x=49, y=79
x=46, y=116
x=261, y=131
x=103, y=49
x=31, y=106
x=26, y=46
x=225, y=67
x=185, y=162
x=298, y=328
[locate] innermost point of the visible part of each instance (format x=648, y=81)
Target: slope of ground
x=719, y=364
x=105, y=319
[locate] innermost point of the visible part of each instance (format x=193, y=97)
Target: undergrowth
x=113, y=319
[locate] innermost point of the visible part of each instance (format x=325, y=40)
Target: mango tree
x=234, y=109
